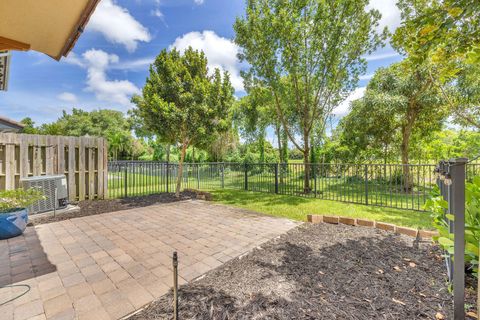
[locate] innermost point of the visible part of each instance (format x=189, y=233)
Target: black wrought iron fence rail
x=388, y=185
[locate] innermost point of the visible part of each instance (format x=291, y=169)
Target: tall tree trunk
x=284, y=157
x=261, y=142
x=168, y=152
x=279, y=141
x=313, y=158
x=180, y=168
x=282, y=140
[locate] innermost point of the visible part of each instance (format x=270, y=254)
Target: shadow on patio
x=23, y=258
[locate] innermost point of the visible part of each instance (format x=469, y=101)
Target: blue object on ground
x=13, y=223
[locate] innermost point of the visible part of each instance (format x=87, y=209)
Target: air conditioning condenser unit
x=54, y=187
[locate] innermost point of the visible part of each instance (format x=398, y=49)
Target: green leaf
x=445, y=242
x=450, y=217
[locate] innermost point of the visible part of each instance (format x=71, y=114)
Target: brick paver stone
x=107, y=266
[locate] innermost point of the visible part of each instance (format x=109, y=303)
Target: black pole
x=246, y=176
x=456, y=191
x=167, y=173
x=276, y=178
x=126, y=180
x=175, y=286
x=366, y=185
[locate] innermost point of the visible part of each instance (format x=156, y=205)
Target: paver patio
x=107, y=266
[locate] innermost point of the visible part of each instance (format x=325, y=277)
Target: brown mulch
x=320, y=271
x=93, y=207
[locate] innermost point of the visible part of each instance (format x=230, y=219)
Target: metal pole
x=126, y=180
x=246, y=177
x=198, y=177
x=56, y=203
x=276, y=177
x=175, y=285
x=366, y=185
x=222, y=168
x=457, y=192
x=167, y=176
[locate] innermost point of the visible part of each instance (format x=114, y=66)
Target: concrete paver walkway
x=107, y=266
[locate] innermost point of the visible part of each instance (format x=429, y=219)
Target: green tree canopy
x=181, y=103
x=308, y=54
x=445, y=32
x=110, y=124
x=398, y=105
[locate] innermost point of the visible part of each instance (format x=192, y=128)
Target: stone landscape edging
x=411, y=232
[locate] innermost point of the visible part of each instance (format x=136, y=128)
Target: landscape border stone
x=411, y=232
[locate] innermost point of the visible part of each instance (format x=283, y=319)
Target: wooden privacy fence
x=83, y=160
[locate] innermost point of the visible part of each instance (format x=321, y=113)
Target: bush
x=11, y=200
x=472, y=222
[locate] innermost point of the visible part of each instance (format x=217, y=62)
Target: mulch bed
x=93, y=207
x=320, y=271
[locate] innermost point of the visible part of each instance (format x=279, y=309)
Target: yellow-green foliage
x=19, y=198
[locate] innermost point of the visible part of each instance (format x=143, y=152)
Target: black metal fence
x=389, y=185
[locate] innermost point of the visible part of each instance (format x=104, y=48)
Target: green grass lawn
x=298, y=208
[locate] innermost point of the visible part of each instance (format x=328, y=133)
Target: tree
x=308, y=54
x=402, y=104
x=465, y=96
x=181, y=103
x=29, y=126
x=368, y=133
x=110, y=124
x=445, y=36
x=446, y=32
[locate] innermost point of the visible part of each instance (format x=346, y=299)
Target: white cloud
x=366, y=76
x=221, y=53
x=72, y=58
x=344, y=108
x=140, y=64
x=390, y=13
x=117, y=91
x=118, y=26
x=159, y=14
x=382, y=56
x=67, y=97
x=198, y=2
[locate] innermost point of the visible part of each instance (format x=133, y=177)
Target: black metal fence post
x=167, y=174
x=457, y=208
x=222, y=175
x=198, y=176
x=276, y=178
x=246, y=176
x=366, y=185
x=126, y=180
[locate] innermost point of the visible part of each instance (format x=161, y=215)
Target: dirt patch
x=92, y=207
x=320, y=272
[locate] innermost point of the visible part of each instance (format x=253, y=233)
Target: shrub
x=437, y=205
x=11, y=200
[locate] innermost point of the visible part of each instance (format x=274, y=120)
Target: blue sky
x=110, y=61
